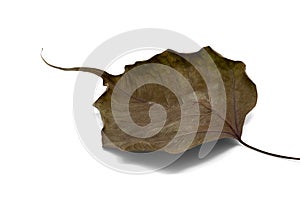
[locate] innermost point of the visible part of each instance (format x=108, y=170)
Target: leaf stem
x=104, y=75
x=265, y=152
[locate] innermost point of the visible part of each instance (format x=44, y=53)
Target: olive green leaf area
x=240, y=99
x=154, y=102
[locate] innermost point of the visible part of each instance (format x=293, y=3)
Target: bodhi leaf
x=240, y=98
x=174, y=101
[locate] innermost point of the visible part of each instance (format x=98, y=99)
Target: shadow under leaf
x=190, y=158
x=187, y=160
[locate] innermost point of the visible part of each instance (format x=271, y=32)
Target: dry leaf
x=151, y=107
x=240, y=96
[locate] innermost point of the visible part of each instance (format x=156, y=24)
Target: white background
x=41, y=154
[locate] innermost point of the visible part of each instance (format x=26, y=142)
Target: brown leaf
x=240, y=97
x=174, y=101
